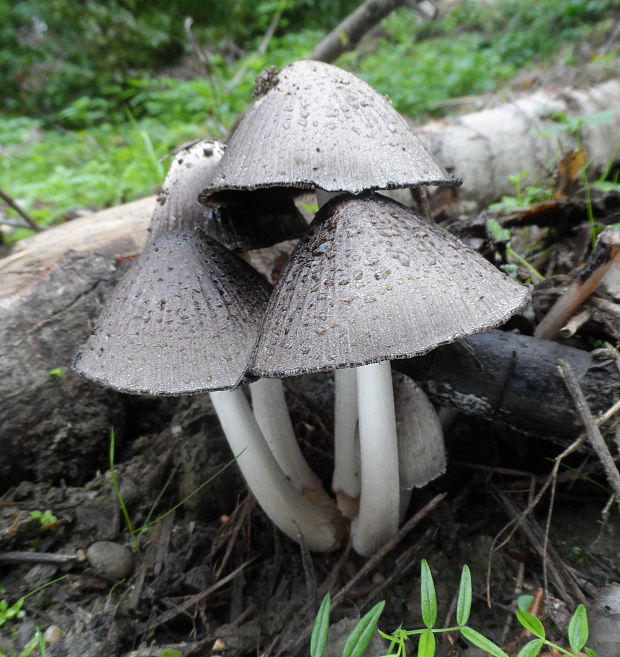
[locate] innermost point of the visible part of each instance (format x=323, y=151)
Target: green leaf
x=589, y=652
x=578, y=629
x=171, y=653
x=426, y=646
x=463, y=605
x=524, y=602
x=480, y=641
x=427, y=595
x=320, y=629
x=532, y=648
x=362, y=633
x=531, y=623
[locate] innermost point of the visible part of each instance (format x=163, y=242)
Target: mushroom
x=371, y=281
x=184, y=319
x=319, y=127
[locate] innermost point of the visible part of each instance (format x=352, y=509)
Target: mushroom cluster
x=368, y=282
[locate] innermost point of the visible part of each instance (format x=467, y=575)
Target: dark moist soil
x=210, y=575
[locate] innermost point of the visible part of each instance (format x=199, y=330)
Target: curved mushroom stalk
x=378, y=516
x=285, y=506
x=272, y=416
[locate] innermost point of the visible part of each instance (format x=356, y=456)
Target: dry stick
x=606, y=249
x=514, y=523
x=575, y=323
x=259, y=51
x=27, y=218
x=38, y=557
x=518, y=519
x=592, y=430
x=534, y=534
x=192, y=600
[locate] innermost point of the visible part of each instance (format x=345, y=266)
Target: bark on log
x=514, y=379
x=348, y=33
x=486, y=147
x=53, y=426
x=119, y=232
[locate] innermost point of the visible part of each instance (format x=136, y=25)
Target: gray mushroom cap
x=319, y=126
x=247, y=224
x=373, y=281
x=184, y=319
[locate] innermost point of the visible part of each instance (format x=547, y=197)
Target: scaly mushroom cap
x=248, y=224
x=373, y=281
x=319, y=126
x=184, y=319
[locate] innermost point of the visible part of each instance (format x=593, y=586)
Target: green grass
x=110, y=158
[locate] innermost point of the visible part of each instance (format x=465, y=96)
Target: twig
x=15, y=206
x=203, y=58
x=592, y=430
x=192, y=600
x=575, y=323
x=606, y=249
x=273, y=26
x=38, y=557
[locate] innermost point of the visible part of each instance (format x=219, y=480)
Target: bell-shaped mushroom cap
x=319, y=126
x=184, y=319
x=239, y=227
x=372, y=281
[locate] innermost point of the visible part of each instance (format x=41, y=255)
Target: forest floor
x=214, y=577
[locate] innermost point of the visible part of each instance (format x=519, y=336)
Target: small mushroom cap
x=184, y=319
x=373, y=281
x=245, y=225
x=319, y=126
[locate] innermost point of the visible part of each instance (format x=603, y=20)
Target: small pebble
x=52, y=634
x=110, y=559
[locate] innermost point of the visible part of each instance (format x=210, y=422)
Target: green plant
x=46, y=517
x=577, y=627
x=136, y=532
x=499, y=234
x=359, y=638
x=8, y=611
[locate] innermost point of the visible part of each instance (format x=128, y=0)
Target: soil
x=210, y=575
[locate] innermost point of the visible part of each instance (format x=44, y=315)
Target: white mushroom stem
x=271, y=413
x=346, y=477
x=377, y=520
x=285, y=506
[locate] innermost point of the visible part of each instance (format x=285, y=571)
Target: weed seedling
x=360, y=637
x=500, y=234
x=46, y=518
x=8, y=612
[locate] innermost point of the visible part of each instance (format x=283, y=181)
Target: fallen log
x=505, y=139
x=119, y=232
x=514, y=379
